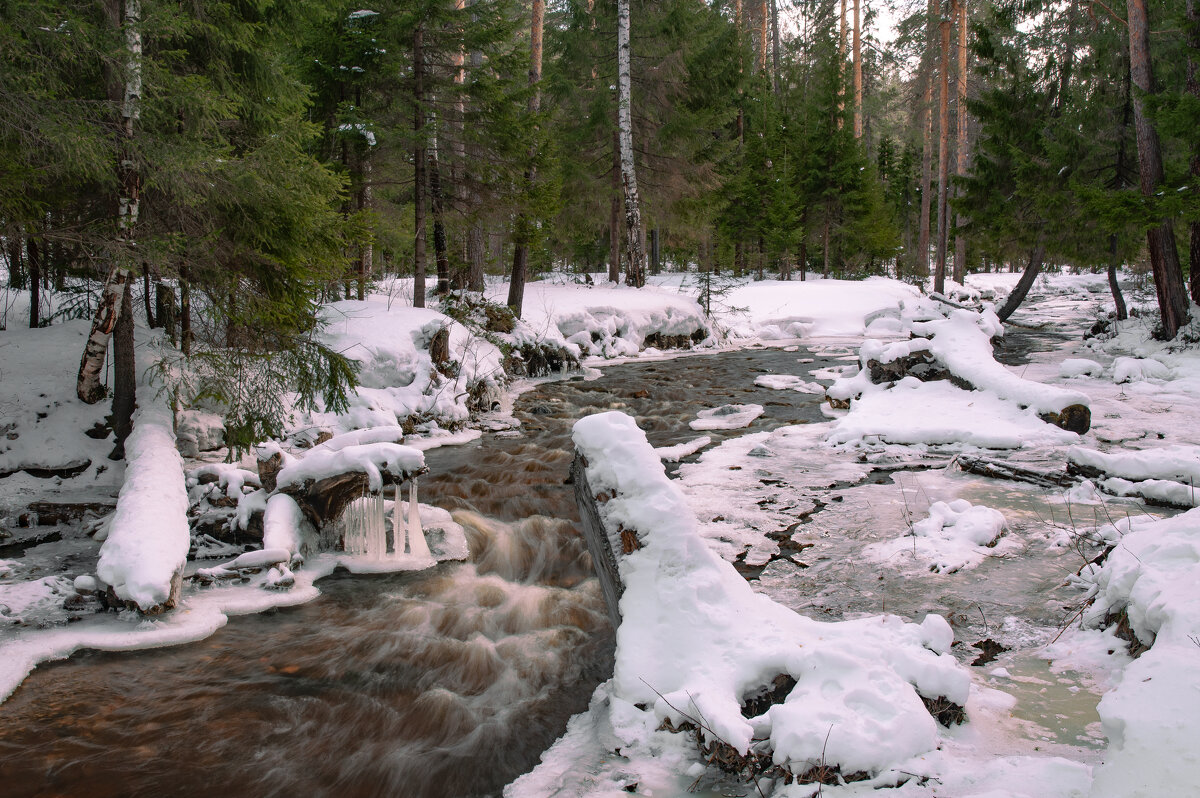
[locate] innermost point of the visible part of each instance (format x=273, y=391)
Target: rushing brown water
x=443, y=683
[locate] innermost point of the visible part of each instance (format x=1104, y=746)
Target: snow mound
x=726, y=417
x=697, y=642
x=372, y=459
x=955, y=537
x=785, y=382
x=673, y=454
x=143, y=556
x=1136, y=369
x=1079, y=367
x=1167, y=475
x=1152, y=716
x=775, y=309
x=938, y=413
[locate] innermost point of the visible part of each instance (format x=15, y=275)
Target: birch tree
x=636, y=272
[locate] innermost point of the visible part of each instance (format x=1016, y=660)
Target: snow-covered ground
x=803, y=507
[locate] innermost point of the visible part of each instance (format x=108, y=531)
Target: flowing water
x=442, y=683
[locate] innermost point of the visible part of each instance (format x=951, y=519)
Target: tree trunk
x=776, y=45
x=943, y=221
x=151, y=322
x=124, y=374
x=655, y=265
x=858, y=84
x=1018, y=294
x=635, y=275
x=366, y=254
x=419, y=168
x=437, y=206
x=87, y=385
x=843, y=32
x=1164, y=258
x=185, y=314
x=516, y=288
x=960, y=241
x=1114, y=263
x=614, y=215
x=35, y=282
x=921, y=266
x=1193, y=87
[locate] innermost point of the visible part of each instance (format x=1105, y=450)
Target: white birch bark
x=636, y=272
x=88, y=386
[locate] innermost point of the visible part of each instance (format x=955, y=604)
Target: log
x=604, y=560
x=997, y=469
x=323, y=500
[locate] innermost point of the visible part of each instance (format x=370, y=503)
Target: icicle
x=397, y=526
x=416, y=538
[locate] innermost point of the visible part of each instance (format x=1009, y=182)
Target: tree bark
x=922, y=264
x=1164, y=258
x=858, y=78
x=419, y=168
x=776, y=45
x=1114, y=263
x=635, y=274
x=1030, y=274
x=960, y=241
x=943, y=221
x=516, y=288
x=366, y=253
x=87, y=385
x=843, y=33
x=124, y=374
x=35, y=282
x=1193, y=87
x=438, y=209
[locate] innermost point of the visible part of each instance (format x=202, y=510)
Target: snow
x=696, y=638
x=1167, y=474
x=673, y=454
x=938, y=413
x=955, y=537
x=372, y=459
x=148, y=537
x=780, y=310
x=1080, y=367
x=1136, y=369
x=783, y=382
x=726, y=417
x=1152, y=715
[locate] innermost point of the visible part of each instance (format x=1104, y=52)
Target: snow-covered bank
x=698, y=649
x=1150, y=585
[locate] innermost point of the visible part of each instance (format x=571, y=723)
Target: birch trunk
x=88, y=386
x=636, y=273
x=1164, y=258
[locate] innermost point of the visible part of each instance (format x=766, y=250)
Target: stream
x=451, y=682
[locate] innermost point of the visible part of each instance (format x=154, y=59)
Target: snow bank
x=607, y=320
x=938, y=413
x=147, y=545
x=1167, y=475
x=1137, y=369
x=774, y=309
x=955, y=537
x=696, y=641
x=397, y=376
x=1152, y=716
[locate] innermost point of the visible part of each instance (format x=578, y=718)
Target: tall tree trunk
x=960, y=241
x=516, y=289
x=151, y=322
x=366, y=252
x=655, y=265
x=1030, y=274
x=419, y=168
x=1193, y=87
x=763, y=36
x=1164, y=258
x=1120, y=183
x=35, y=282
x=943, y=221
x=124, y=374
x=776, y=46
x=87, y=385
x=922, y=263
x=635, y=275
x=843, y=32
x=858, y=78
x=437, y=206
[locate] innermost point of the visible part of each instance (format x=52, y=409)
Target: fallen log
x=604, y=561
x=997, y=469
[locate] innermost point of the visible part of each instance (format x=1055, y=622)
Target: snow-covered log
x=697, y=645
x=143, y=557
x=958, y=348
x=325, y=481
x=1167, y=475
